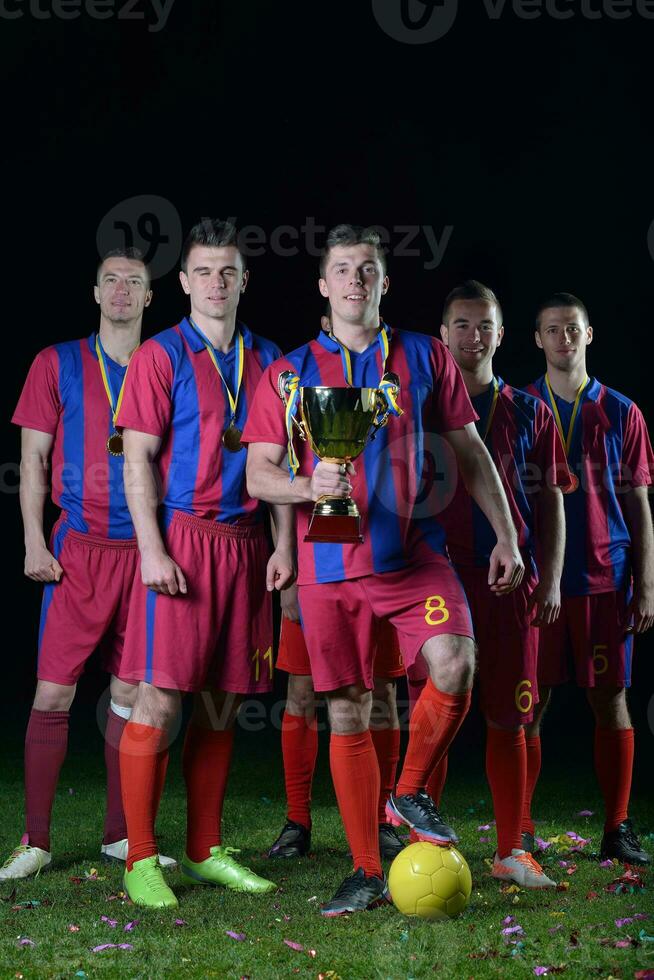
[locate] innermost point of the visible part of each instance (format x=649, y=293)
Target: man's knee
x=349, y=710
x=53, y=697
x=609, y=706
x=451, y=661
x=156, y=706
x=122, y=693
x=300, y=696
x=533, y=728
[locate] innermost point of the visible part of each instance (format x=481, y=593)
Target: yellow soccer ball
x=430, y=882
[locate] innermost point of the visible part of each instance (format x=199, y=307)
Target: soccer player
x=67, y=414
x=399, y=572
x=300, y=735
x=201, y=619
x=521, y=436
x=609, y=544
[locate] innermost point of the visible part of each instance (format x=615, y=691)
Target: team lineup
x=176, y=460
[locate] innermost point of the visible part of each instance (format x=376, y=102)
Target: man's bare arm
x=267, y=480
x=639, y=518
x=551, y=533
x=40, y=564
x=484, y=486
x=158, y=571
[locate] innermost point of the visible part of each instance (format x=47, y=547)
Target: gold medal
x=115, y=444
x=574, y=483
x=232, y=438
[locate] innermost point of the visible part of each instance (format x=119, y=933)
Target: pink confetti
x=542, y=844
x=181, y=922
x=509, y=919
x=72, y=928
x=606, y=864
x=296, y=946
x=239, y=936
x=484, y=840
x=131, y=925
x=101, y=948
x=110, y=922
x=512, y=930
x=571, y=870
x=641, y=915
x=563, y=864
x=484, y=826
x=585, y=813
x=624, y=922
x=622, y=944
x=540, y=971
x=26, y=941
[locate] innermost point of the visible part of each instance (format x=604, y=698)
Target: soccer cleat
x=358, y=893
x=293, y=842
x=145, y=885
x=528, y=842
x=419, y=812
x=220, y=868
x=24, y=862
x=522, y=869
x=117, y=852
x=390, y=844
x=623, y=844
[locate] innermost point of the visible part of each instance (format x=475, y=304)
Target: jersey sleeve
x=147, y=396
x=39, y=406
x=548, y=451
x=451, y=406
x=266, y=418
x=637, y=456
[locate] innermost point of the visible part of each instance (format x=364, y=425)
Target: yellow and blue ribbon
x=292, y=389
x=566, y=437
x=114, y=404
x=238, y=367
x=386, y=388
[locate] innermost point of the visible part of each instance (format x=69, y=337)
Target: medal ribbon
x=566, y=438
x=293, y=392
x=115, y=408
x=238, y=367
x=387, y=388
x=491, y=411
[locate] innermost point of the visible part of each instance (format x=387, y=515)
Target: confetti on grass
x=103, y=946
x=298, y=947
x=26, y=941
x=238, y=936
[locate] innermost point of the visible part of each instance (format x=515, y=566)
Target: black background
x=530, y=138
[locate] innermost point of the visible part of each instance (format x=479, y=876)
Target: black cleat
x=528, y=842
x=358, y=893
x=623, y=844
x=390, y=845
x=419, y=812
x=293, y=842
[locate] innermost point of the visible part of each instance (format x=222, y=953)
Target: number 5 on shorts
x=435, y=606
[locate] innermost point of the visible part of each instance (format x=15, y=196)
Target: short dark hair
x=211, y=233
x=559, y=300
x=352, y=235
x=132, y=253
x=472, y=289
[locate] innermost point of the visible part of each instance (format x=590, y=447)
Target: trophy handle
x=386, y=401
x=284, y=392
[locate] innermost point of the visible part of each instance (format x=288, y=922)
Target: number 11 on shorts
x=257, y=657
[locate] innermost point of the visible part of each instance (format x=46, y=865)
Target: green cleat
x=145, y=885
x=222, y=869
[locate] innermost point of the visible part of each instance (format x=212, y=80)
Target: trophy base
x=335, y=520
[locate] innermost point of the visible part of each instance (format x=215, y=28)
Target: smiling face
x=563, y=334
x=214, y=279
x=472, y=333
x=122, y=291
x=354, y=282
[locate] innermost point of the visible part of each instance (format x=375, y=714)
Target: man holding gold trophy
x=370, y=550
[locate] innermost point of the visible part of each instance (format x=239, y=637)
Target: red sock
x=435, y=721
x=115, y=827
x=533, y=772
x=387, y=749
x=46, y=741
x=356, y=780
x=436, y=781
x=142, y=749
x=506, y=769
x=299, y=752
x=205, y=762
x=614, y=763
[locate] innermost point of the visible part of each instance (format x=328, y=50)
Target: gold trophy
x=337, y=423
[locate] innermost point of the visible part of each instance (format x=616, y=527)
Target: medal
x=491, y=411
x=115, y=444
x=115, y=440
x=566, y=438
x=232, y=439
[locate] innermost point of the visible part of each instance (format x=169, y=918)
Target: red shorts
x=220, y=633
x=88, y=608
x=507, y=648
x=591, y=628
x=340, y=619
x=293, y=656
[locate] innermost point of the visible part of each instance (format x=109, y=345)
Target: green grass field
x=573, y=930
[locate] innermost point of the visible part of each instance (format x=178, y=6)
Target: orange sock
x=387, y=749
x=436, y=781
x=435, y=720
x=356, y=780
x=533, y=772
x=142, y=749
x=506, y=769
x=614, y=763
x=205, y=763
x=299, y=751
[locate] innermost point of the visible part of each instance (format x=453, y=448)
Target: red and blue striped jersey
x=610, y=452
x=173, y=391
x=527, y=451
x=398, y=525
x=64, y=396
